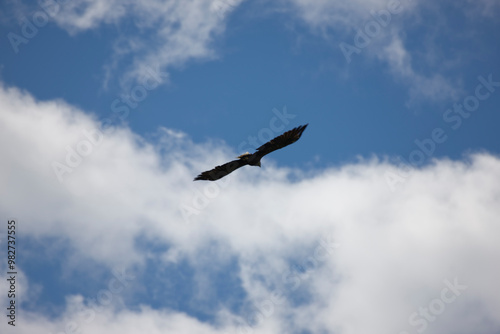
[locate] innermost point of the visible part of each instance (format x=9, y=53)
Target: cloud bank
x=333, y=251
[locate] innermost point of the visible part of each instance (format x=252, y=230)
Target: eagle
x=281, y=141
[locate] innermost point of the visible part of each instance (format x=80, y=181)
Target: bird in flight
x=281, y=141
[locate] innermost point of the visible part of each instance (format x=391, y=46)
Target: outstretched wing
x=281, y=141
x=221, y=171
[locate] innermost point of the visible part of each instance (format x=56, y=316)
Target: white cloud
x=395, y=249
x=81, y=15
x=419, y=64
x=329, y=13
x=435, y=87
x=169, y=33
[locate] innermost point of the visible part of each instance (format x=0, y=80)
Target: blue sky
x=110, y=109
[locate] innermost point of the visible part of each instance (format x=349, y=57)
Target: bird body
x=251, y=159
x=247, y=158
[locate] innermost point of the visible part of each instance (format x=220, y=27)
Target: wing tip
x=202, y=178
x=301, y=129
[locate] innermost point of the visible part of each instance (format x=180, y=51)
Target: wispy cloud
x=431, y=87
x=166, y=34
x=360, y=32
